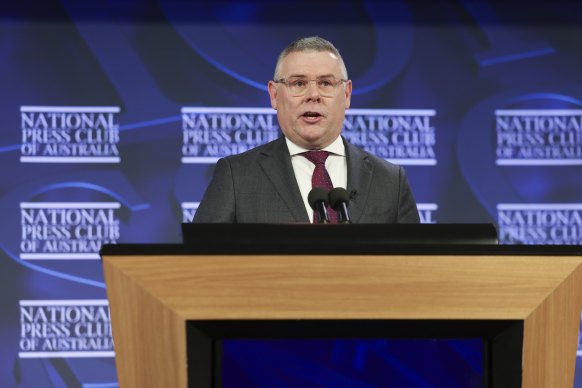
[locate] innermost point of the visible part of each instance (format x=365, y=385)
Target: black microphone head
x=337, y=196
x=317, y=194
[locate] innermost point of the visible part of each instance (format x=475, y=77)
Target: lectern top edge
x=362, y=239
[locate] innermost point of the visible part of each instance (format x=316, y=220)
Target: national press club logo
x=67, y=230
x=65, y=328
x=402, y=136
x=69, y=134
x=405, y=137
x=528, y=137
x=212, y=133
x=541, y=223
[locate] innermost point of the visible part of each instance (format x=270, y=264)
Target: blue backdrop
x=113, y=114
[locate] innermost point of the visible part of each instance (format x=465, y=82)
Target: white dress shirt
x=335, y=165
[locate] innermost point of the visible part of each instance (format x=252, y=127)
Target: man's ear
x=348, y=93
x=273, y=94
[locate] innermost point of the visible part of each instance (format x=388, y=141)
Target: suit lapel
x=360, y=172
x=276, y=164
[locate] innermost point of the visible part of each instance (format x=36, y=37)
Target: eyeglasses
x=298, y=85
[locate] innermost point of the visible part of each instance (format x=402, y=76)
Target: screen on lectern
x=356, y=363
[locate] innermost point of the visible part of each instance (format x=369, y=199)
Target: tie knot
x=316, y=157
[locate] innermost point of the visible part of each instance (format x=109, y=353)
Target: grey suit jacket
x=259, y=186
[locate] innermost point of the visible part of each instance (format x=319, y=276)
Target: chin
x=314, y=139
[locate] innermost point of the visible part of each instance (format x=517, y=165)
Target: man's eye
x=326, y=82
x=298, y=83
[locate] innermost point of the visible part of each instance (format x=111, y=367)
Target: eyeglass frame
x=285, y=81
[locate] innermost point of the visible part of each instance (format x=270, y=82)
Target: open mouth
x=311, y=116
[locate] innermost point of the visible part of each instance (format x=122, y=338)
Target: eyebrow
x=319, y=76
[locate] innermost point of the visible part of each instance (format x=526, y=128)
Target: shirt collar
x=336, y=148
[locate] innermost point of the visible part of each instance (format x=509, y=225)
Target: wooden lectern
x=171, y=303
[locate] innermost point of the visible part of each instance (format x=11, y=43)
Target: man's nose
x=312, y=92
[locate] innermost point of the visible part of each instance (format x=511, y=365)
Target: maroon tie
x=320, y=178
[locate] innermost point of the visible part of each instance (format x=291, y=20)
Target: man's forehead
x=306, y=60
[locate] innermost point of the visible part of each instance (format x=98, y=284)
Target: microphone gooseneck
x=339, y=200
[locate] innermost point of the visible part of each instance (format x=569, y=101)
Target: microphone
x=318, y=200
x=339, y=199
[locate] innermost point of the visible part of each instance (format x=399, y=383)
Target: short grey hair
x=310, y=43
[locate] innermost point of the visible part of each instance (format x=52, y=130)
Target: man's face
x=311, y=120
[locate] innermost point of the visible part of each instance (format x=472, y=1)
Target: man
x=270, y=184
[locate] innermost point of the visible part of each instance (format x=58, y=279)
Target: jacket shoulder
x=357, y=153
